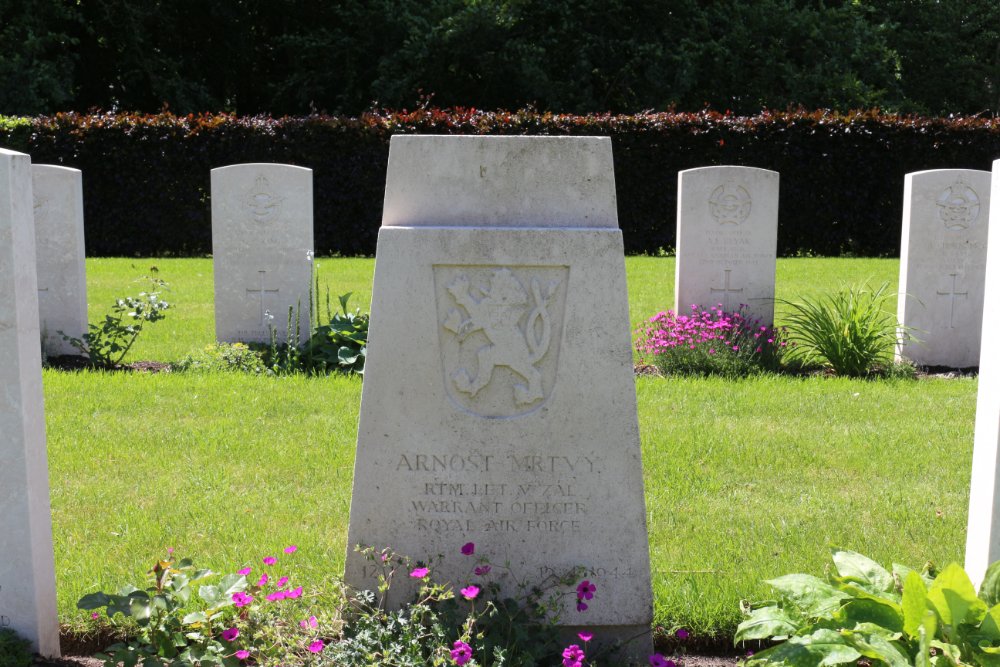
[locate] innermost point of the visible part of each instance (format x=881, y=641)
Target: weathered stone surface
x=942, y=266
x=499, y=402
x=62, y=274
x=27, y=574
x=727, y=234
x=982, y=545
x=262, y=244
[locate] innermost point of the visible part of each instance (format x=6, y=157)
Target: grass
x=745, y=480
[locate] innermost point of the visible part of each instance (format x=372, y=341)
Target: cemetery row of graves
x=499, y=295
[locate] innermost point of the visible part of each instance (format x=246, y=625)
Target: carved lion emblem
x=500, y=331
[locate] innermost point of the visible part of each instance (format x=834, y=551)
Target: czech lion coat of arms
x=500, y=329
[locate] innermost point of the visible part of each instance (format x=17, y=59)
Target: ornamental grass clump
x=849, y=332
x=710, y=342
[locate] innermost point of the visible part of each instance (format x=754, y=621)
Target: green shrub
x=105, y=345
x=849, y=331
x=710, y=342
x=863, y=613
x=224, y=357
x=15, y=651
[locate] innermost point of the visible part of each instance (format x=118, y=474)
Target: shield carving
x=500, y=328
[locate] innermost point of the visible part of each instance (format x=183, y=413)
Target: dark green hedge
x=146, y=178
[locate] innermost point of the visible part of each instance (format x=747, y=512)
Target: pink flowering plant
x=710, y=342
x=468, y=624
x=259, y=615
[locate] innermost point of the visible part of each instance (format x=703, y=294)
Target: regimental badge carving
x=958, y=206
x=500, y=330
x=730, y=204
x=261, y=201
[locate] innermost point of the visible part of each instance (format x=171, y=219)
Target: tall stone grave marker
x=62, y=275
x=499, y=401
x=727, y=235
x=942, y=265
x=262, y=244
x=982, y=545
x=27, y=572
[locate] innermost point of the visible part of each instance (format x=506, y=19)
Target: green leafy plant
x=864, y=613
x=15, y=650
x=340, y=344
x=223, y=357
x=107, y=344
x=849, y=331
x=229, y=620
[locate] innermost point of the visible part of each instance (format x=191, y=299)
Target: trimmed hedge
x=146, y=178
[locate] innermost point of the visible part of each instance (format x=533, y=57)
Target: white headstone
x=262, y=245
x=727, y=235
x=499, y=401
x=982, y=545
x=62, y=274
x=27, y=572
x=942, y=266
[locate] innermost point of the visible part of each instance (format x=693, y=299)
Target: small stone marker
x=982, y=545
x=27, y=571
x=262, y=244
x=727, y=235
x=942, y=266
x=62, y=274
x=499, y=401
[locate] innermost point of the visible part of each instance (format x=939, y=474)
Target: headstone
x=942, y=266
x=727, y=235
x=27, y=571
x=499, y=401
x=262, y=245
x=62, y=275
x=982, y=545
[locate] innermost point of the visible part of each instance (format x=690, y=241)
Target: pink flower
x=245, y=571
x=317, y=646
x=470, y=592
x=585, y=590
x=262, y=580
x=468, y=548
x=419, y=572
x=170, y=550
x=282, y=582
x=270, y=560
x=291, y=548
x=242, y=599
x=657, y=660
x=230, y=634
x=277, y=595
x=682, y=634
x=310, y=623
x=461, y=653
x=581, y=605
x=243, y=654
x=585, y=636
x=294, y=593
x=482, y=570
x=573, y=656
x=93, y=614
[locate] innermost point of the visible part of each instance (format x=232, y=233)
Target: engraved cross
x=261, y=292
x=726, y=290
x=953, y=294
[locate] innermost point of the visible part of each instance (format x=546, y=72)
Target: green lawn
x=745, y=480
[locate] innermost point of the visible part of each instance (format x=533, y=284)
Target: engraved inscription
x=730, y=204
x=958, y=206
x=953, y=293
x=540, y=493
x=261, y=202
x=500, y=328
x=265, y=315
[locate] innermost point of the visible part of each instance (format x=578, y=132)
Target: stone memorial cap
x=446, y=181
